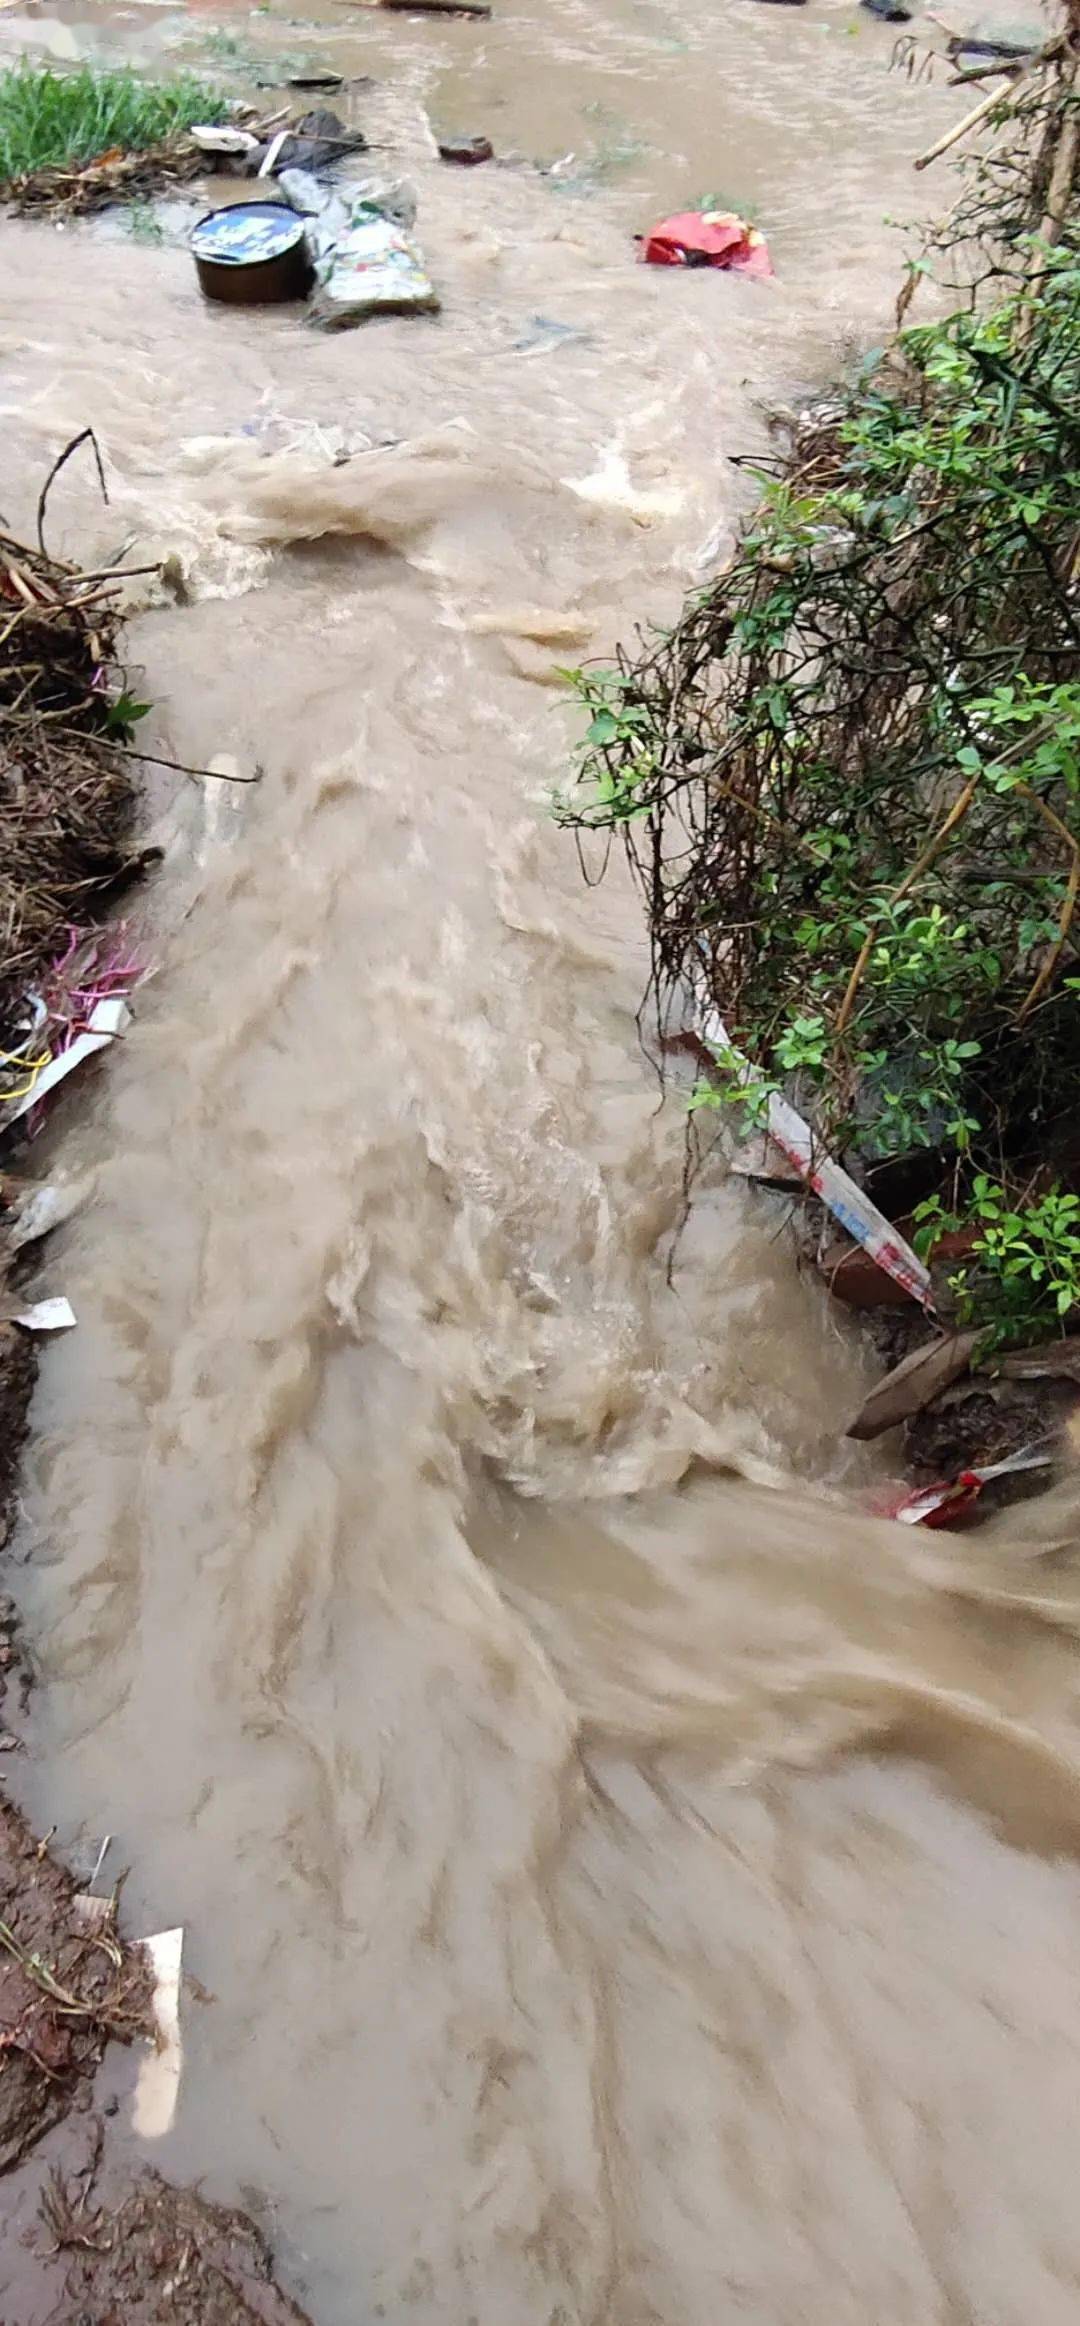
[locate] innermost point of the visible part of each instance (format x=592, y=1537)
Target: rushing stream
x=632, y=1886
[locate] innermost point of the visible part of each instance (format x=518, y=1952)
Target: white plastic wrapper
x=365, y=260
x=375, y=269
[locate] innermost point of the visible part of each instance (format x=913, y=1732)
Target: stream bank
x=83, y=2233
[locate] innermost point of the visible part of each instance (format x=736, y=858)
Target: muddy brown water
x=633, y=1886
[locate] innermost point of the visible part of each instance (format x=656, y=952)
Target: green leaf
x=123, y=714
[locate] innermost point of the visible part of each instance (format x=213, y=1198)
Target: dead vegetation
x=77, y=189
x=64, y=1990
x=67, y=798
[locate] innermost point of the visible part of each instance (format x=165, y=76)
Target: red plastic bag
x=708, y=238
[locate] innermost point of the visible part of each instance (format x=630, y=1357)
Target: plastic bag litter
x=708, y=238
x=365, y=261
x=211, y=139
x=331, y=205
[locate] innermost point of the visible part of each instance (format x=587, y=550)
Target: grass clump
x=53, y=120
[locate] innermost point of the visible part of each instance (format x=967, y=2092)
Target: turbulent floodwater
x=632, y=1886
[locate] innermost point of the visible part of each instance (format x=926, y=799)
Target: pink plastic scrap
x=81, y=1006
x=96, y=966
x=708, y=238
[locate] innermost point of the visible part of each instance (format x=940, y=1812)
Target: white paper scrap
x=158, y=2085
x=47, y=1316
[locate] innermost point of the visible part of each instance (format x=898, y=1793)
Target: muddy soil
x=63, y=1992
x=158, y=2245
x=85, y=2240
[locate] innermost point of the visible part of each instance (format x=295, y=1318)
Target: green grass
x=50, y=119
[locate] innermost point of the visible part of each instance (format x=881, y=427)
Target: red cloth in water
x=708, y=238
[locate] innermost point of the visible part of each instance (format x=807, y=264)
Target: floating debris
x=468, y=151
x=708, y=238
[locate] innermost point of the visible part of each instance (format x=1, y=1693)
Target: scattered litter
x=395, y=197
x=890, y=11
x=847, y=1202
x=38, y=1208
x=269, y=161
x=251, y=254
x=315, y=80
x=103, y=1851
x=436, y=7
x=158, y=2085
x=309, y=198
x=544, y=333
x=1010, y=52
x=609, y=486
x=314, y=142
x=46, y=1316
x=951, y=1502
x=376, y=268
x=758, y=1160
x=107, y=1020
x=81, y=1005
x=915, y=1382
x=708, y=238
x=92, y=1913
x=466, y=150
x=224, y=140
x=853, y=1276
x=366, y=263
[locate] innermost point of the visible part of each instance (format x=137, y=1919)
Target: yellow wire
x=25, y=1088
